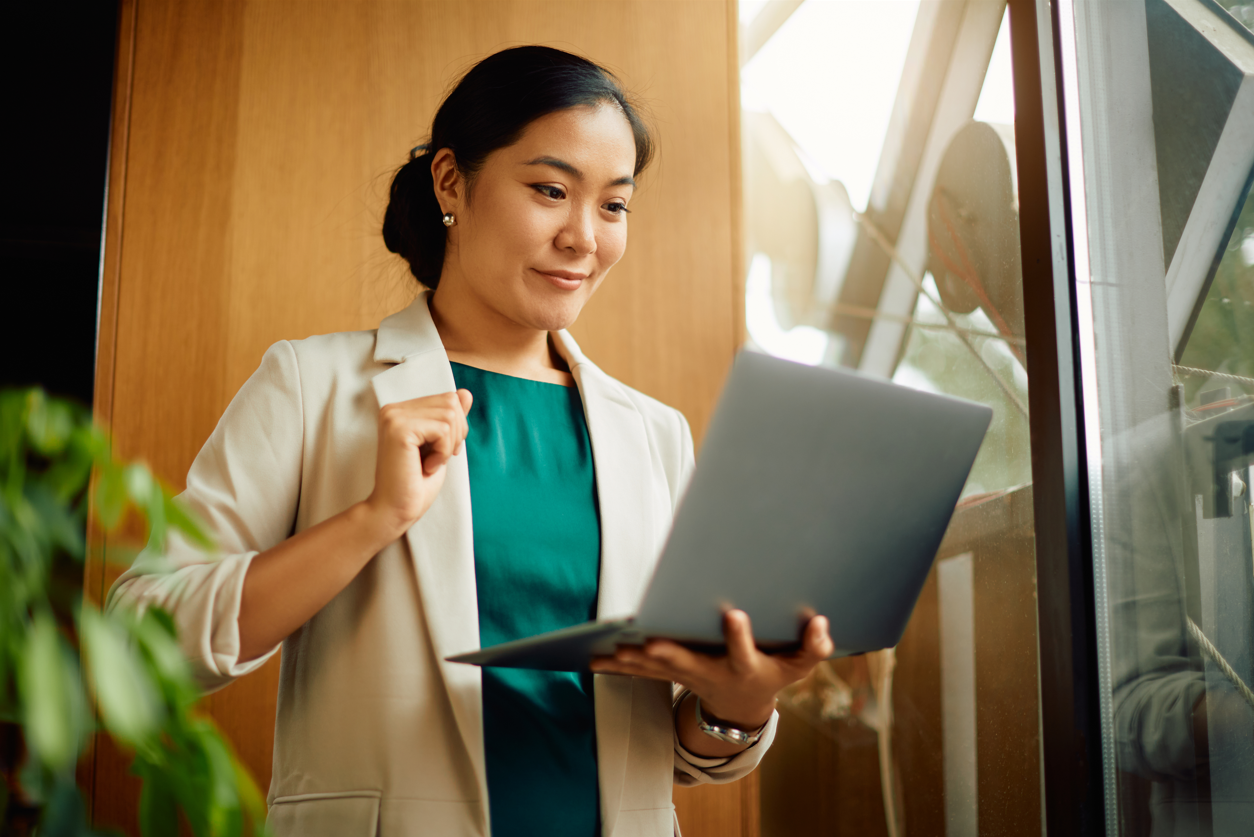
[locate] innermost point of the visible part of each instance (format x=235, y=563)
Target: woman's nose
x=578, y=234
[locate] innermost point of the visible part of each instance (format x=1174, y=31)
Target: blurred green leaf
x=12, y=422
x=159, y=643
x=225, y=816
x=120, y=555
x=144, y=685
x=65, y=814
x=128, y=703
x=155, y=513
x=35, y=780
x=185, y=522
x=46, y=688
x=110, y=495
x=139, y=483
x=56, y=526
x=49, y=423
x=68, y=476
x=252, y=800
x=158, y=812
x=146, y=493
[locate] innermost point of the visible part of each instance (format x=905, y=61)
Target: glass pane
x=882, y=234
x=1169, y=392
x=1222, y=339
x=1242, y=10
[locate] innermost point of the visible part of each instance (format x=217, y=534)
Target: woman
x=463, y=475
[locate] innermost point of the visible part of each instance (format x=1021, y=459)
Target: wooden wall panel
x=245, y=206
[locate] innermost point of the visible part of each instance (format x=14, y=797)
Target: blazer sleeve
x=691, y=769
x=245, y=485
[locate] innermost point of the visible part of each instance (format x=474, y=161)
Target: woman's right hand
x=290, y=582
x=416, y=440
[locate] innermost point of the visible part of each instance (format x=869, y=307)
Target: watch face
x=731, y=735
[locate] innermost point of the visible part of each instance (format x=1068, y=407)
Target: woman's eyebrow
x=562, y=165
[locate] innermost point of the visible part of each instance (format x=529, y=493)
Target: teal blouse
x=537, y=537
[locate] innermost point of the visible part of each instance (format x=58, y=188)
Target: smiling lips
x=566, y=280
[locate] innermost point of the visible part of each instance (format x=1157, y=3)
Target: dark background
x=57, y=61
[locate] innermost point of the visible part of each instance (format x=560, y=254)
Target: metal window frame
x=1073, y=781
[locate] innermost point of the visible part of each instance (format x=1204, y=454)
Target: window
x=882, y=234
x=1161, y=139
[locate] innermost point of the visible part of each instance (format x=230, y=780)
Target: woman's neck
x=476, y=335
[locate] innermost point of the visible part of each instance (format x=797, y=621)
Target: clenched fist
x=416, y=440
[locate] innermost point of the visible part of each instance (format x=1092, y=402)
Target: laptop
x=818, y=491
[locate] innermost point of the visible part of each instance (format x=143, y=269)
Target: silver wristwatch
x=731, y=735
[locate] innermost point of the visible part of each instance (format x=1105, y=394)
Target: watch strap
x=725, y=732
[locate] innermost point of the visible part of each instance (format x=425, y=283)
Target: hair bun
x=412, y=202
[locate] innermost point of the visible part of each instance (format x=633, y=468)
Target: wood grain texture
x=165, y=391
x=247, y=190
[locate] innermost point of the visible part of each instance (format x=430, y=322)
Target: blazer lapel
x=441, y=544
x=620, y=453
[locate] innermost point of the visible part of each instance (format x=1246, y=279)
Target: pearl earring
x=448, y=219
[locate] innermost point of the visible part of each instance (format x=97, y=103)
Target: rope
x=1206, y=373
x=1215, y=657
x=891, y=251
x=864, y=313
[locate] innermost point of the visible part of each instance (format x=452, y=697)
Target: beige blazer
x=375, y=733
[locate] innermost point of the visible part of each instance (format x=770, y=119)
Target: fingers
x=442, y=441
x=738, y=634
x=615, y=665
x=674, y=657
x=436, y=425
x=466, y=399
x=817, y=643
x=659, y=659
x=439, y=422
x=436, y=453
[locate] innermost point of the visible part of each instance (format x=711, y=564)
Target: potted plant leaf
x=67, y=669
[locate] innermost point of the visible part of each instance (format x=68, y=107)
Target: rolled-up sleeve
x=245, y=486
x=691, y=769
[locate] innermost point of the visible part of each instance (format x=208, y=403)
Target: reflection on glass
x=1181, y=603
x=1242, y=10
x=882, y=233
x=1174, y=363
x=829, y=75
x=1222, y=338
x=936, y=359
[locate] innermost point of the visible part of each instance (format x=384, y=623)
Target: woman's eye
x=617, y=208
x=551, y=192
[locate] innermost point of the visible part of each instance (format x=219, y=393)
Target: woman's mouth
x=566, y=280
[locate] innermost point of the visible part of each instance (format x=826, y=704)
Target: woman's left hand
x=738, y=687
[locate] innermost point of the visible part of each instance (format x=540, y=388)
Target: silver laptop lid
x=817, y=491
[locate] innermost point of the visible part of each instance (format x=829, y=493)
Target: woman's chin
x=554, y=315
x=554, y=322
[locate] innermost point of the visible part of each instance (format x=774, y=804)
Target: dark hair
x=488, y=109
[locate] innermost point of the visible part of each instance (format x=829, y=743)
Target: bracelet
x=728, y=734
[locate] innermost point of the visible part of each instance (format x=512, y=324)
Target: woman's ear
x=449, y=185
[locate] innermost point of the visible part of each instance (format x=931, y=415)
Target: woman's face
x=545, y=218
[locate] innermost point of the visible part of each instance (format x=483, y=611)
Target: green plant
x=60, y=655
